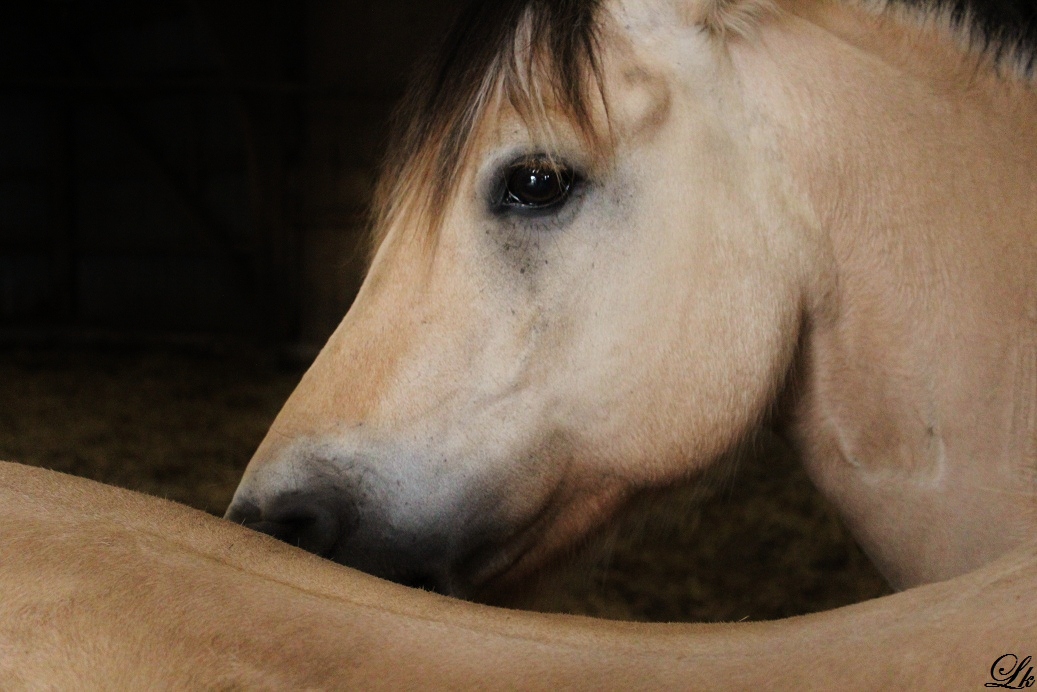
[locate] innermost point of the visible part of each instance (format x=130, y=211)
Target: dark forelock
x=494, y=44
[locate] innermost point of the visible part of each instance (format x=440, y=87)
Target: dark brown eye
x=535, y=185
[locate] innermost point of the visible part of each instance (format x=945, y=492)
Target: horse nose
x=323, y=524
x=305, y=520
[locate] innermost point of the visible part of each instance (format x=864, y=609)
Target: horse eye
x=536, y=185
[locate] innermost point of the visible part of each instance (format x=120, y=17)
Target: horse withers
x=615, y=236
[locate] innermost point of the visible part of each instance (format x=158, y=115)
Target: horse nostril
x=305, y=523
x=242, y=512
x=288, y=530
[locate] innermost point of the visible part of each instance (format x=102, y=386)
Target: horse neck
x=920, y=361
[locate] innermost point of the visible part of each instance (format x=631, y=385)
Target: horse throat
x=918, y=378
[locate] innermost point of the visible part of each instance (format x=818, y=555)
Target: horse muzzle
x=339, y=509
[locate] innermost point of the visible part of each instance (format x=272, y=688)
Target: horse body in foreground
x=101, y=588
x=617, y=235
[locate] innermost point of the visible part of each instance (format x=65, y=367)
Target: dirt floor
x=753, y=542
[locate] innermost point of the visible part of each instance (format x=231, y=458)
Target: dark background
x=182, y=194
x=177, y=167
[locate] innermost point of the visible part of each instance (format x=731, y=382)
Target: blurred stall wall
x=193, y=166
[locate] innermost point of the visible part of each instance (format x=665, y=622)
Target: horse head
x=587, y=282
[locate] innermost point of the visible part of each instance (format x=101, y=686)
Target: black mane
x=1005, y=29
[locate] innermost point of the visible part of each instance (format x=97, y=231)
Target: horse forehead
x=650, y=16
x=647, y=46
x=641, y=104
x=639, y=96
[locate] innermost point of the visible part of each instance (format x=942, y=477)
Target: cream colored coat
x=837, y=192
x=101, y=588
